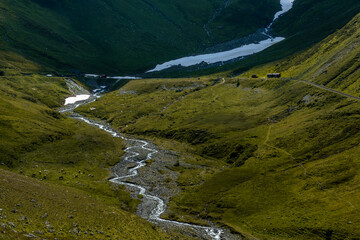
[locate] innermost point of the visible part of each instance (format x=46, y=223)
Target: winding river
x=137, y=145
x=132, y=153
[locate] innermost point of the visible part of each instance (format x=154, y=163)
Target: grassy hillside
x=54, y=171
x=334, y=62
x=268, y=159
x=117, y=36
x=51, y=211
x=288, y=150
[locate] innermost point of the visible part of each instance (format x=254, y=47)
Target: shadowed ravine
x=132, y=152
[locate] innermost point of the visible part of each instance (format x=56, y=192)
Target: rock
x=61, y=178
x=131, y=165
x=349, y=222
x=71, y=216
x=47, y=224
x=11, y=224
x=22, y=218
x=3, y=225
x=30, y=235
x=1, y=210
x=14, y=211
x=101, y=232
x=44, y=216
x=39, y=232
x=33, y=200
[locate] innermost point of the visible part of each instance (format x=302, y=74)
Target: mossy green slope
x=334, y=62
x=51, y=211
x=122, y=37
x=289, y=151
x=118, y=36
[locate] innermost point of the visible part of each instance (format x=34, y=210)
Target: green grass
x=121, y=37
x=334, y=62
x=61, y=163
x=135, y=36
x=306, y=24
x=274, y=159
x=64, y=213
x=252, y=138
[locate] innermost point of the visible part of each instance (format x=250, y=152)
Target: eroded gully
x=135, y=155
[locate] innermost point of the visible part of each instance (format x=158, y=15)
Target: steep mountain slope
x=307, y=23
x=118, y=36
x=334, y=62
x=122, y=37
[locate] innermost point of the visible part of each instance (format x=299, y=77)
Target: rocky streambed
x=144, y=170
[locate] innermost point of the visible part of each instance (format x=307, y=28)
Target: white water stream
x=242, y=51
x=155, y=215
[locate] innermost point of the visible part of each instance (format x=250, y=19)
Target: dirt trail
x=329, y=89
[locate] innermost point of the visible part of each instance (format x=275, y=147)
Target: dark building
x=274, y=75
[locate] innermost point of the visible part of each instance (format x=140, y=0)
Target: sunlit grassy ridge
x=291, y=148
x=334, y=62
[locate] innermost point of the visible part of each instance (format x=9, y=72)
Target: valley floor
x=260, y=158
x=288, y=149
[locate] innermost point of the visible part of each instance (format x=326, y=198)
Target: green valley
x=54, y=170
x=289, y=150
x=260, y=147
